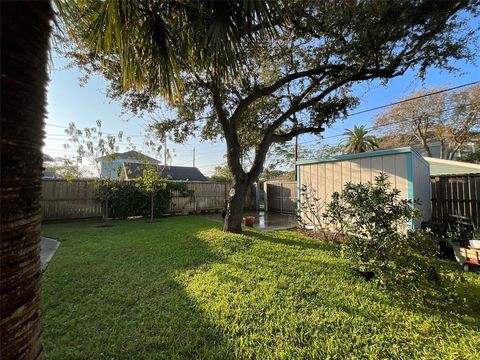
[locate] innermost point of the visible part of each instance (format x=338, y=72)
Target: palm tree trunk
x=25, y=29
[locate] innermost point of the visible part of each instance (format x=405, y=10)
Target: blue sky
x=68, y=101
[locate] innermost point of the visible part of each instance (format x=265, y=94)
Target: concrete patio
x=47, y=249
x=265, y=220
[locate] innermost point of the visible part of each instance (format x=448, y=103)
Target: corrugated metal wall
x=329, y=177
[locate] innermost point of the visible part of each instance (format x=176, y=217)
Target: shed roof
x=451, y=167
x=367, y=154
x=135, y=170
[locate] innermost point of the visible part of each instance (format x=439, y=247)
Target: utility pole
x=165, y=151
x=194, y=157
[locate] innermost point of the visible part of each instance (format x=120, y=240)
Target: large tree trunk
x=25, y=29
x=233, y=218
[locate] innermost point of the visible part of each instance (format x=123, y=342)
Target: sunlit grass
x=180, y=288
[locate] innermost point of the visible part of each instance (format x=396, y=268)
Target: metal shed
x=407, y=170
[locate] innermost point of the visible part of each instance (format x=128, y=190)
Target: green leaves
x=358, y=140
x=374, y=218
x=153, y=41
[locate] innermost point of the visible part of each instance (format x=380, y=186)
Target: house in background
x=435, y=149
x=450, y=167
x=111, y=166
x=48, y=174
x=130, y=171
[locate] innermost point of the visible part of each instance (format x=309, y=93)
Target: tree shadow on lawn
x=124, y=300
x=459, y=308
x=289, y=238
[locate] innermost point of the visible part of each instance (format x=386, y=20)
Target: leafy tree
x=151, y=182
x=91, y=143
x=104, y=191
x=448, y=118
x=473, y=157
x=151, y=43
x=358, y=140
x=296, y=83
x=65, y=167
x=222, y=173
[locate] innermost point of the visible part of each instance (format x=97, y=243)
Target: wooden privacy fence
x=63, y=199
x=281, y=196
x=457, y=195
x=75, y=199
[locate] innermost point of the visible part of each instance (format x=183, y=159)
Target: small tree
x=150, y=182
x=374, y=219
x=103, y=190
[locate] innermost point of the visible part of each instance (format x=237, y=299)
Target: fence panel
x=75, y=199
x=457, y=195
x=281, y=196
x=69, y=199
x=206, y=196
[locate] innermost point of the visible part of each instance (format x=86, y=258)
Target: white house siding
x=400, y=165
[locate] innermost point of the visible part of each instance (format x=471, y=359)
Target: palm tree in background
x=358, y=140
x=177, y=33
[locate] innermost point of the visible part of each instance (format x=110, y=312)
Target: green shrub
x=374, y=220
x=129, y=198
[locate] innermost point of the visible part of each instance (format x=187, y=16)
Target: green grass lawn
x=180, y=288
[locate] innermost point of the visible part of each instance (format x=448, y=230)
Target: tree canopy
x=296, y=81
x=448, y=118
x=149, y=43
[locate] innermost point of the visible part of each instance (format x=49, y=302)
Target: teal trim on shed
x=358, y=156
x=419, y=157
x=365, y=155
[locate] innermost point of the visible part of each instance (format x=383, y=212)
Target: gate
x=281, y=196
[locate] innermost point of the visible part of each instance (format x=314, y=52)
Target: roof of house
x=47, y=158
x=451, y=167
x=362, y=155
x=130, y=155
x=135, y=170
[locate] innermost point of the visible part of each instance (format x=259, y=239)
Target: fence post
x=265, y=196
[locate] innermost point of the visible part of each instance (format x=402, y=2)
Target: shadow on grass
x=122, y=299
x=452, y=299
x=289, y=238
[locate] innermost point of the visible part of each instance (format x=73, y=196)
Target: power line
x=415, y=98
x=332, y=136
x=392, y=123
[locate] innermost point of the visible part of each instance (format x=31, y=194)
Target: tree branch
x=230, y=132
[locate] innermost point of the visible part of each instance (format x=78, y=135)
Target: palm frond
x=154, y=41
